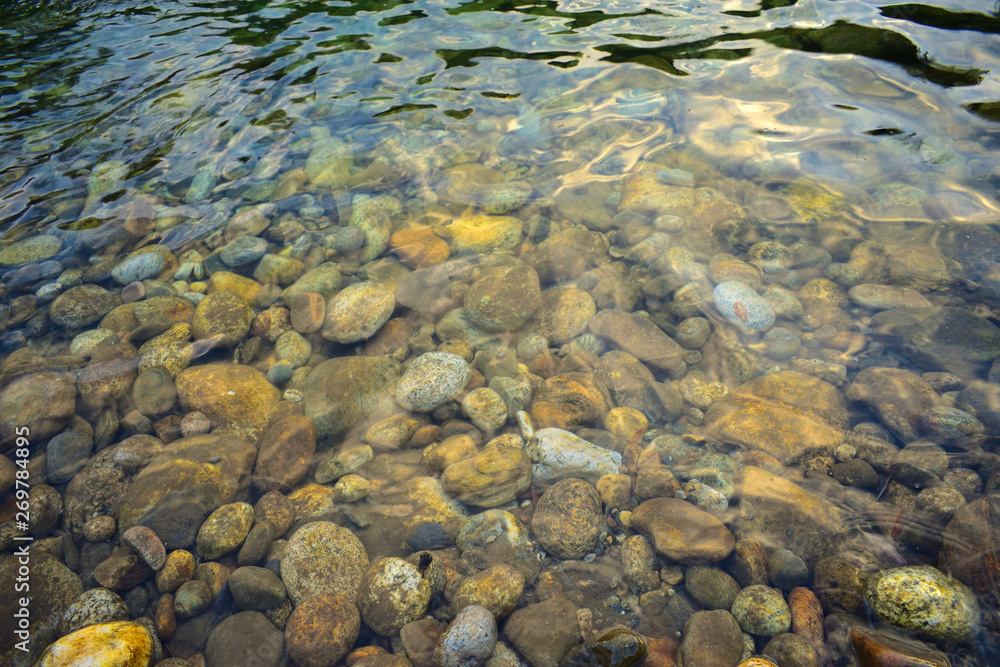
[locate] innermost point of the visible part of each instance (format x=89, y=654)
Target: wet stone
x=567, y=521
x=256, y=588
x=116, y=643
x=82, y=306
x=321, y=630
x=308, y=311
x=485, y=409
x=66, y=455
x=192, y=598
x=139, y=266
x=570, y=400
x=557, y=454
x=497, y=588
x=96, y=605
x=469, y=640
x=710, y=587
x=761, y=610
x=491, y=478
x=321, y=558
x=243, y=250
x=544, y=632
x=178, y=568
x=236, y=399
x=391, y=594
x=154, y=392
x=431, y=380
x=357, y=312
x=839, y=581
x=923, y=599
x=887, y=297
x=712, y=639
x=786, y=570
x=504, y=296
x=638, y=336
x=29, y=250
x=224, y=530
x=224, y=315
x=147, y=545
x=898, y=397
x=683, y=533
x=227, y=644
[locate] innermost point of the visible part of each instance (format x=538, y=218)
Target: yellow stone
x=119, y=644
x=237, y=284
x=481, y=233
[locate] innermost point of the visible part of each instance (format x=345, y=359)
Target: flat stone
x=683, y=533
x=237, y=399
x=557, y=454
x=786, y=414
x=897, y=396
x=184, y=483
x=29, y=250
x=771, y=507
x=638, y=336
x=943, y=339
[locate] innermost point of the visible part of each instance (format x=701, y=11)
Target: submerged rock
x=785, y=414
x=924, y=599
x=117, y=644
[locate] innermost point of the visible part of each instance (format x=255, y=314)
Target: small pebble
x=133, y=292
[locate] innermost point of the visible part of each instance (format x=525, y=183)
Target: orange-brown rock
x=683, y=533
x=285, y=452
x=877, y=649
x=786, y=414
x=236, y=399
x=570, y=400
x=782, y=515
x=807, y=615
x=419, y=247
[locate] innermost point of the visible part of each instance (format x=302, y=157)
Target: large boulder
x=188, y=480
x=37, y=405
x=780, y=514
x=786, y=414
x=236, y=399
x=341, y=393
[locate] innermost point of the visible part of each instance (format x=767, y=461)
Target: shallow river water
x=549, y=333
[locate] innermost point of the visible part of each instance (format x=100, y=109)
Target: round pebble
x=321, y=630
x=786, y=570
x=485, y=408
x=924, y=599
x=431, y=379
x=195, y=423
x=133, y=292
x=137, y=268
x=256, y=588
x=101, y=528
x=762, y=610
x=469, y=640
x=244, y=250
x=743, y=306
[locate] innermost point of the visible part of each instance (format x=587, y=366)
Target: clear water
x=824, y=120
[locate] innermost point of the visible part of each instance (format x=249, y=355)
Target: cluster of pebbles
x=635, y=421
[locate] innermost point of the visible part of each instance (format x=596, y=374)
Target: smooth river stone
x=924, y=599
x=138, y=267
x=358, y=311
x=786, y=414
x=557, y=454
x=117, y=644
x=780, y=514
x=638, y=336
x=431, y=379
x=683, y=533
x=237, y=399
x=343, y=391
x=887, y=297
x=897, y=396
x=29, y=250
x=743, y=306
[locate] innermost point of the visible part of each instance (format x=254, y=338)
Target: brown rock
x=568, y=520
x=236, y=399
x=544, y=632
x=877, y=649
x=711, y=639
x=308, y=311
x=785, y=414
x=108, y=376
x=285, y=452
x=807, y=615
x=683, y=533
x=42, y=403
x=321, y=630
x=562, y=314
x=780, y=514
x=638, y=336
x=971, y=546
x=897, y=396
x=570, y=400
x=491, y=478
